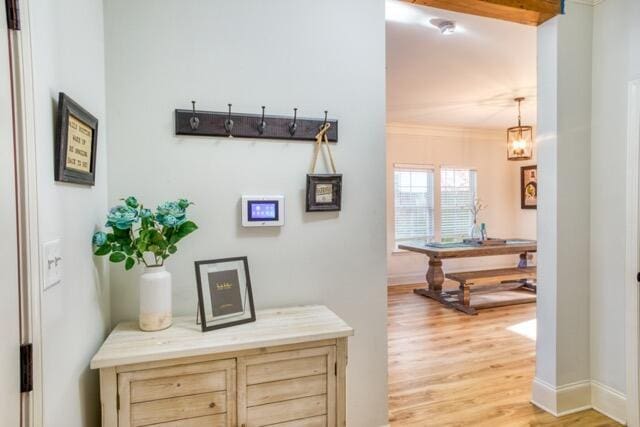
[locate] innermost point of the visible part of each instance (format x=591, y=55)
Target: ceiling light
x=519, y=139
x=446, y=27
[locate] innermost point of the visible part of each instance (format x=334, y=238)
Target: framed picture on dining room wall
x=529, y=187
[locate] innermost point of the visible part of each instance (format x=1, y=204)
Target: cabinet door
x=195, y=394
x=291, y=388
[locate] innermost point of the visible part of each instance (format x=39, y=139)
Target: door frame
x=27, y=204
x=632, y=261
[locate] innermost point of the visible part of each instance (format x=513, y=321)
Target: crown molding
x=587, y=2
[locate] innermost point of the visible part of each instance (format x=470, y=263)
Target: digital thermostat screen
x=263, y=210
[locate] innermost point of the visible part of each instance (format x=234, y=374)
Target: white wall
x=564, y=116
x=282, y=54
x=68, y=56
x=498, y=187
x=616, y=61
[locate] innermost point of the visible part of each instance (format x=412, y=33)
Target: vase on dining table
x=475, y=232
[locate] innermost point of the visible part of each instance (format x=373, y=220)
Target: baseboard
x=577, y=397
x=609, y=402
x=406, y=279
x=563, y=400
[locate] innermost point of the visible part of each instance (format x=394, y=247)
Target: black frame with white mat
x=324, y=192
x=76, y=143
x=224, y=293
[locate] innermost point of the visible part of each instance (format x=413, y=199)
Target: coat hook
x=325, y=118
x=294, y=125
x=194, y=121
x=262, y=125
x=228, y=124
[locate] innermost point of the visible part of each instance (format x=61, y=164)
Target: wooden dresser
x=287, y=369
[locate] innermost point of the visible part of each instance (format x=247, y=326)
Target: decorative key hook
x=294, y=125
x=262, y=125
x=325, y=118
x=228, y=124
x=194, y=121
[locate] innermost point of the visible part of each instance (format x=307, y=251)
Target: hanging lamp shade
x=519, y=139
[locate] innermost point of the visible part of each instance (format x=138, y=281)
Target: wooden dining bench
x=486, y=281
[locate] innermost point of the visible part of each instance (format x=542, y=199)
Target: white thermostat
x=262, y=211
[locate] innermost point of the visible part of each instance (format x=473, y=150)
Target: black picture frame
x=68, y=107
x=525, y=182
x=201, y=308
x=335, y=204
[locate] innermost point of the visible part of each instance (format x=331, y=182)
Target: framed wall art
x=324, y=192
x=224, y=293
x=529, y=187
x=75, y=144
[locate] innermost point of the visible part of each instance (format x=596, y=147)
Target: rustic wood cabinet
x=287, y=369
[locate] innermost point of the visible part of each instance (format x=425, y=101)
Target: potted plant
x=140, y=236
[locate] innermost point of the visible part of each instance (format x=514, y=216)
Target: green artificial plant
x=137, y=232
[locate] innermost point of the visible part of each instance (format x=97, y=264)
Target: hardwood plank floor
x=450, y=369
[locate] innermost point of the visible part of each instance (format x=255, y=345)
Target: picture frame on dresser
x=224, y=291
x=76, y=141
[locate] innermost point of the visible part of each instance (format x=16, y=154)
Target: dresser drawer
x=219, y=420
x=184, y=395
x=289, y=388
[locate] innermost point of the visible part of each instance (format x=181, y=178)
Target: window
x=414, y=211
x=457, y=195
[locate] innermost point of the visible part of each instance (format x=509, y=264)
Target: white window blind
x=457, y=195
x=414, y=213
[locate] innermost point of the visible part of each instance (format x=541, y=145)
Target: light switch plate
x=52, y=264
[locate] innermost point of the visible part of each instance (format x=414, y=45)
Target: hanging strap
x=321, y=138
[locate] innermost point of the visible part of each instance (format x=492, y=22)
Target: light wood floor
x=450, y=369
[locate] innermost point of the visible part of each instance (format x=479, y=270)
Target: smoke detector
x=445, y=26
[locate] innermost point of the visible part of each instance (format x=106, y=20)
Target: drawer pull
x=212, y=405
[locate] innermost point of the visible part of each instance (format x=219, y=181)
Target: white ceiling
x=466, y=79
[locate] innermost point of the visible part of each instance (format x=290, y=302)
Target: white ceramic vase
x=155, y=299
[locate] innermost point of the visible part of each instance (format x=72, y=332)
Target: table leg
x=526, y=284
x=523, y=261
x=435, y=275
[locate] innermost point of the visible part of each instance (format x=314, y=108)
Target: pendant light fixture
x=519, y=139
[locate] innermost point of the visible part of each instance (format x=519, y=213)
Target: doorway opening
x=462, y=221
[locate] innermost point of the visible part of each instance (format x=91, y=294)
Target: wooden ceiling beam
x=528, y=12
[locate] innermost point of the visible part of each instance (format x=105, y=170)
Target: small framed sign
x=75, y=144
x=324, y=192
x=224, y=293
x=529, y=187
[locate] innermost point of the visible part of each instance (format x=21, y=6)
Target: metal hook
x=262, y=125
x=228, y=124
x=194, y=121
x=325, y=119
x=293, y=125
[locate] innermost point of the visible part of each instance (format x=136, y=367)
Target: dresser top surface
x=127, y=344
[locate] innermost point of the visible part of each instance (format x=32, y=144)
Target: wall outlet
x=52, y=264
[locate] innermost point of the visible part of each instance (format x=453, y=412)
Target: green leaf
x=128, y=265
x=103, y=250
x=128, y=250
x=172, y=249
x=174, y=239
x=111, y=237
x=153, y=248
x=186, y=228
x=120, y=233
x=117, y=257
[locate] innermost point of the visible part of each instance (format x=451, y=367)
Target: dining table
x=437, y=252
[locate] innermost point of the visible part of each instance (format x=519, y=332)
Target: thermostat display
x=262, y=211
